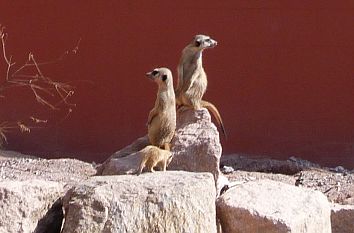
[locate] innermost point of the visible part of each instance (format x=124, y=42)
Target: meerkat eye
x=207, y=40
x=155, y=72
x=197, y=43
x=164, y=77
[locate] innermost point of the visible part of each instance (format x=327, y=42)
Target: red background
x=282, y=74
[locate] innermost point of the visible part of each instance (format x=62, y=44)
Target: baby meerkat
x=152, y=156
x=162, y=118
x=192, y=80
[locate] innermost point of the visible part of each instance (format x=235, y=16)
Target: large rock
x=342, y=218
x=152, y=202
x=30, y=191
x=267, y=206
x=24, y=203
x=196, y=147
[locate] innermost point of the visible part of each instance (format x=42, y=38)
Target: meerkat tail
x=211, y=107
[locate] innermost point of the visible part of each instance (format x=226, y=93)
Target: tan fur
x=192, y=80
x=152, y=156
x=162, y=118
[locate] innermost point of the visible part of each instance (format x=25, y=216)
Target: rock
x=120, y=166
x=253, y=163
x=169, y=201
x=52, y=220
x=196, y=147
x=23, y=203
x=342, y=218
x=268, y=206
x=338, y=169
x=123, y=161
x=69, y=171
x=227, y=170
x=30, y=191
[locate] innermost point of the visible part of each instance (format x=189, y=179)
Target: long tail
x=211, y=107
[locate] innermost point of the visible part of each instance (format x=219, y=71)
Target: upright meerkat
x=153, y=156
x=192, y=80
x=162, y=118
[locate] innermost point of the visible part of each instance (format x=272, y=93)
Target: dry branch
x=42, y=87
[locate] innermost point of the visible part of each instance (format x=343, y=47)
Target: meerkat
x=153, y=156
x=162, y=118
x=192, y=80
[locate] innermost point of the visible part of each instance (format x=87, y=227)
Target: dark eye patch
x=164, y=77
x=155, y=72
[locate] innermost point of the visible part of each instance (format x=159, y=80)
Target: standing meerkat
x=162, y=118
x=192, y=80
x=152, y=156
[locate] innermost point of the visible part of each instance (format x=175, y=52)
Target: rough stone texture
x=68, y=171
x=124, y=161
x=23, y=203
x=121, y=165
x=254, y=163
x=267, y=206
x=342, y=218
x=28, y=188
x=336, y=183
x=196, y=147
x=169, y=201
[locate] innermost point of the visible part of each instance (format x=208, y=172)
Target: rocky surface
x=29, y=188
x=269, y=206
x=196, y=147
x=337, y=186
x=152, y=202
x=342, y=218
x=123, y=161
x=23, y=203
x=68, y=171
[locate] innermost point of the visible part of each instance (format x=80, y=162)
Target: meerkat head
x=162, y=76
x=201, y=42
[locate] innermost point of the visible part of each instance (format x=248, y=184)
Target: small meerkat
x=192, y=80
x=153, y=156
x=162, y=118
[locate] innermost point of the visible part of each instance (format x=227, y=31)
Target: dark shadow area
x=52, y=221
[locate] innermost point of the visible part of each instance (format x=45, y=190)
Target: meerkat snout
x=203, y=42
x=152, y=74
x=159, y=75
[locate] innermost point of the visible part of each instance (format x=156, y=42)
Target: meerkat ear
x=164, y=77
x=197, y=43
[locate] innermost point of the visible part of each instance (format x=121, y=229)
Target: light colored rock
x=267, y=206
x=120, y=166
x=342, y=218
x=124, y=161
x=196, y=147
x=152, y=202
x=24, y=203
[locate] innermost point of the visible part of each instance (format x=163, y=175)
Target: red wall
x=282, y=75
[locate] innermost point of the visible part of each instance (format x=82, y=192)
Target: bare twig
x=42, y=87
